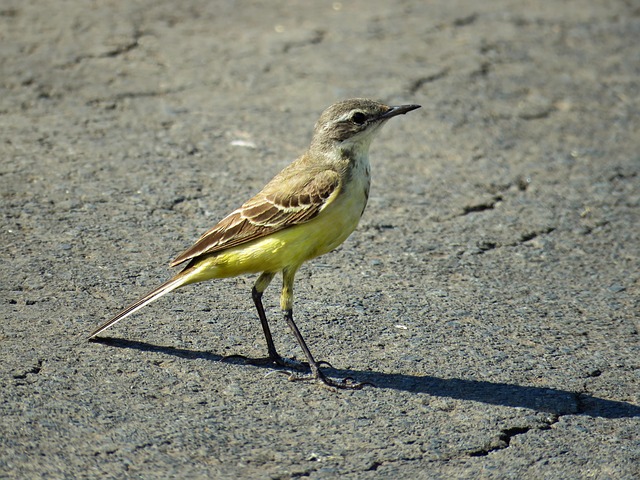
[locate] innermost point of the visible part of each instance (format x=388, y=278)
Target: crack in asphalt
x=418, y=83
x=503, y=439
x=481, y=207
x=34, y=370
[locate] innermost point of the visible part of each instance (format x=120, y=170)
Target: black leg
x=273, y=355
x=271, y=348
x=316, y=373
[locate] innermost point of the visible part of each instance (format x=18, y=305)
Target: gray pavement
x=491, y=292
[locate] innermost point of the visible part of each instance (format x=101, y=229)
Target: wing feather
x=269, y=211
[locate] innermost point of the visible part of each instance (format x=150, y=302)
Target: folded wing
x=296, y=200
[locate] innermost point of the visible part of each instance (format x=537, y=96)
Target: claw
x=344, y=384
x=347, y=383
x=271, y=360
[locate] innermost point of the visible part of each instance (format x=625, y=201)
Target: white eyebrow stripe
x=345, y=116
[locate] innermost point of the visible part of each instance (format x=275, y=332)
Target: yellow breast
x=295, y=245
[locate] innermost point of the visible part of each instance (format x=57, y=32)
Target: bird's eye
x=359, y=118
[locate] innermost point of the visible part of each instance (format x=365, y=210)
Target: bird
x=306, y=210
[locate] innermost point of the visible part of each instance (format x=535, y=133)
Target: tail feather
x=155, y=294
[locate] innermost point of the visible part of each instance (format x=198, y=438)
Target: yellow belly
x=289, y=247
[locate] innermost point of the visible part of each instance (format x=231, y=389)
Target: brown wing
x=281, y=204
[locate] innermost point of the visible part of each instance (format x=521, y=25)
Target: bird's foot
x=346, y=383
x=275, y=360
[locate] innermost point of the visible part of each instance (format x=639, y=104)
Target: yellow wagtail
x=308, y=209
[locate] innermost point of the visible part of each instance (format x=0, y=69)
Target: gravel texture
x=491, y=292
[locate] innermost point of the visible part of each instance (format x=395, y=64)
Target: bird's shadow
x=551, y=400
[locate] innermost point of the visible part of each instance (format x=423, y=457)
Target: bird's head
x=352, y=124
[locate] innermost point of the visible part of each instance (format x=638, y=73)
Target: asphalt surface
x=491, y=292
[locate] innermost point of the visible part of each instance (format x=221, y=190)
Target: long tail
x=176, y=282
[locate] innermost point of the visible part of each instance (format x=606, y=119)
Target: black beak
x=399, y=110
